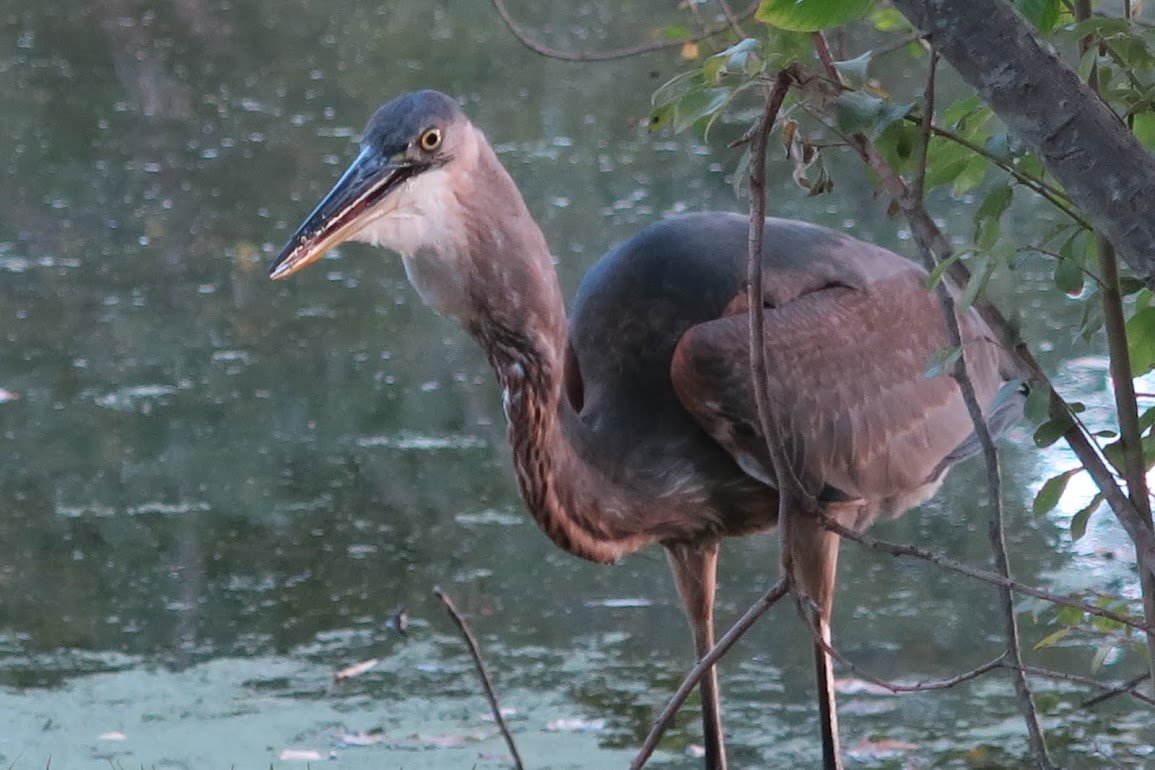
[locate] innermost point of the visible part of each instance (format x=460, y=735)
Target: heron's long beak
x=369, y=179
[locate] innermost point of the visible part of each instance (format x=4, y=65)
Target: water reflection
x=214, y=488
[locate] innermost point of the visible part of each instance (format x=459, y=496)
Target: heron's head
x=404, y=191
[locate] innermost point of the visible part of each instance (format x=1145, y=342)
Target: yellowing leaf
x=690, y=50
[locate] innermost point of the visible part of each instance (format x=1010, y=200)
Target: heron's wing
x=847, y=386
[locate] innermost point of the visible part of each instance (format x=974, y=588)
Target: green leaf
x=942, y=361
x=1101, y=26
x=855, y=68
x=1129, y=284
x=1069, y=277
x=945, y=161
x=1105, y=649
x=940, y=269
x=1147, y=419
x=740, y=58
x=698, y=104
x=982, y=268
x=1144, y=128
x=811, y=15
x=1141, y=340
x=1092, y=319
x=1051, y=492
x=1051, y=431
x=1079, y=520
x=971, y=175
x=1069, y=616
x=888, y=19
x=1038, y=404
x=661, y=117
x=1052, y=638
x=860, y=113
x=989, y=214
x=898, y=143
x=966, y=115
x=1041, y=13
x=784, y=47
x=1087, y=62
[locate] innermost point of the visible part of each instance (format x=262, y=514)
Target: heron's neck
x=520, y=322
x=570, y=498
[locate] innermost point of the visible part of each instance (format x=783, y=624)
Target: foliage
x=972, y=160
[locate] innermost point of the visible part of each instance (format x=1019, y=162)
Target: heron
x=632, y=422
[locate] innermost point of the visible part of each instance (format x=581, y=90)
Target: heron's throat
x=567, y=496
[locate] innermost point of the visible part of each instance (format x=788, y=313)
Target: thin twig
x=1122, y=373
x=618, y=53
x=925, y=231
x=744, y=623
x=966, y=386
x=475, y=651
x=790, y=489
x=728, y=13
x=1063, y=676
x=897, y=687
x=1122, y=689
x=1051, y=194
x=940, y=560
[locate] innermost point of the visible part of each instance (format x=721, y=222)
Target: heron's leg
x=695, y=568
x=815, y=564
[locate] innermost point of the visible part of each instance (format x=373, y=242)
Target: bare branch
x=744, y=623
x=475, y=651
x=898, y=687
x=619, y=53
x=1123, y=689
x=790, y=489
x=1063, y=676
x=940, y=560
x=732, y=20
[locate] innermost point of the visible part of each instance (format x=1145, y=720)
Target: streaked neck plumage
x=509, y=299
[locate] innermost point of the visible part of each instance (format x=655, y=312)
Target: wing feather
x=847, y=385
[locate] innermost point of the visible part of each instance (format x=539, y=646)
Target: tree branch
x=927, y=234
x=618, y=53
x=663, y=720
x=940, y=560
x=1106, y=171
x=486, y=684
x=966, y=386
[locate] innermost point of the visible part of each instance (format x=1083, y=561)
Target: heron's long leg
x=815, y=565
x=695, y=569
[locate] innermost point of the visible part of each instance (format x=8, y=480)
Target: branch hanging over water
x=475, y=651
x=617, y=53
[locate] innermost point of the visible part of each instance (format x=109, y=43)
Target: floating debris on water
x=355, y=670
x=304, y=755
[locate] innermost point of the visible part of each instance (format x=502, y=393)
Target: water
x=215, y=489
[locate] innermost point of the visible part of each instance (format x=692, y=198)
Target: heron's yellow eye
x=431, y=139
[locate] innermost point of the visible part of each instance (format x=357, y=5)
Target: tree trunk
x=1104, y=168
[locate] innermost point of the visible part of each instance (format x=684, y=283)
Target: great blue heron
x=634, y=422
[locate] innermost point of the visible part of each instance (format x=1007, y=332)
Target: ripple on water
x=134, y=398
x=413, y=441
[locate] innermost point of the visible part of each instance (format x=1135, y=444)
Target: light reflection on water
x=215, y=489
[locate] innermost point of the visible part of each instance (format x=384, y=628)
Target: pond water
x=216, y=490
